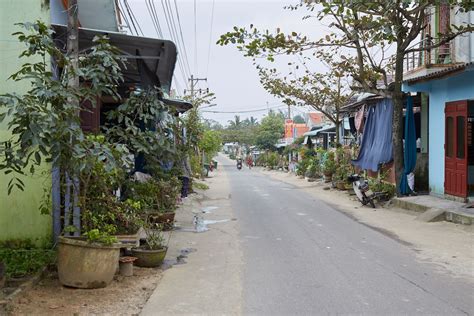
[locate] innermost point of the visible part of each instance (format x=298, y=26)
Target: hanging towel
x=377, y=146
x=359, y=119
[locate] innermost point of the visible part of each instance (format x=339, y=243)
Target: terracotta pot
x=149, y=258
x=166, y=219
x=86, y=265
x=341, y=185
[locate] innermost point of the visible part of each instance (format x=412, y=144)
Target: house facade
x=20, y=218
x=150, y=62
x=444, y=76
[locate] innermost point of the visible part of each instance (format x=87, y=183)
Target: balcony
x=424, y=62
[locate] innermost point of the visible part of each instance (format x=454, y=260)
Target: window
x=449, y=137
x=461, y=139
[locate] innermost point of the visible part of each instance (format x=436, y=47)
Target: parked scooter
x=362, y=191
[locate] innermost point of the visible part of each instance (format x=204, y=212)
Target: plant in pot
x=329, y=166
x=166, y=199
x=312, y=171
x=153, y=252
x=46, y=127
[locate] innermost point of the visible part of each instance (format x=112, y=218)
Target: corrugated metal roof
x=441, y=73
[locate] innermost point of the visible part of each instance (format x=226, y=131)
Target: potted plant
x=329, y=166
x=91, y=260
x=153, y=252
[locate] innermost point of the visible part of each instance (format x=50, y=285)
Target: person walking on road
x=186, y=174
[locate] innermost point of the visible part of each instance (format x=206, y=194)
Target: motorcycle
x=362, y=190
x=239, y=164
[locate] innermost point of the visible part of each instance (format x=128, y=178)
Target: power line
x=182, y=37
x=132, y=17
x=172, y=37
x=154, y=18
x=174, y=31
x=210, y=37
x=124, y=17
x=248, y=111
x=195, y=40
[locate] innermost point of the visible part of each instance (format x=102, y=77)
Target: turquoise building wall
x=458, y=87
x=20, y=218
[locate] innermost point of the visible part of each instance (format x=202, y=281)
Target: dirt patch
x=124, y=296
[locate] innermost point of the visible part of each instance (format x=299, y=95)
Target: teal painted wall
x=20, y=217
x=459, y=87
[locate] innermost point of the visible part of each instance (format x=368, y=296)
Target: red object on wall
x=455, y=148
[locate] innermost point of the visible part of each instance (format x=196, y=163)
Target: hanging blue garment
x=409, y=153
x=377, y=146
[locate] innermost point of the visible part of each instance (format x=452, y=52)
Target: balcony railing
x=426, y=58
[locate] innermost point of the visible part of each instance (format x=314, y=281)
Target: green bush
x=23, y=262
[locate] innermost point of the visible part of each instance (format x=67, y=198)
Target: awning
x=325, y=129
x=150, y=61
x=181, y=106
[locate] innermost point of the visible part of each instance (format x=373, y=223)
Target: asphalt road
x=302, y=256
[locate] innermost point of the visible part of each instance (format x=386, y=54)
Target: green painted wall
x=20, y=217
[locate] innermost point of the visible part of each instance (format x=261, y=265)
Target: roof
x=316, y=117
x=441, y=73
x=325, y=129
x=181, y=106
x=365, y=99
x=150, y=61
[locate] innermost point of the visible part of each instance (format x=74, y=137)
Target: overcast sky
x=230, y=75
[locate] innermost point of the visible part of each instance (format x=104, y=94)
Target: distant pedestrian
x=249, y=162
x=186, y=175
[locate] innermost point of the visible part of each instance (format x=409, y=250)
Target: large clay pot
x=149, y=258
x=86, y=265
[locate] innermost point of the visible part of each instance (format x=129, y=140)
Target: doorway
x=459, y=148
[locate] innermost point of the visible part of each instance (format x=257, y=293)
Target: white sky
x=230, y=75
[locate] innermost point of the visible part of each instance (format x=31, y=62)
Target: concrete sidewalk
x=452, y=211
x=207, y=276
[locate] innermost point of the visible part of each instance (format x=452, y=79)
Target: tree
x=210, y=143
x=298, y=119
x=325, y=92
x=271, y=129
x=250, y=122
x=236, y=123
x=359, y=26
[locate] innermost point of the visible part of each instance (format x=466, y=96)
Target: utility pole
x=289, y=112
x=193, y=82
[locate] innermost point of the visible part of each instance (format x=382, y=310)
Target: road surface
x=302, y=256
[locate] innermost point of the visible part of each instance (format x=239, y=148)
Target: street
x=304, y=257
x=289, y=253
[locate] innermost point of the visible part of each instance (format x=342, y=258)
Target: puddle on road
x=200, y=224
x=180, y=259
x=209, y=209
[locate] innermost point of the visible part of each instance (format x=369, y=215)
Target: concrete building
x=20, y=218
x=445, y=78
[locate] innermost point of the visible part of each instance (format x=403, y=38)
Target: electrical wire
x=182, y=37
x=195, y=40
x=124, y=17
x=172, y=37
x=132, y=16
x=153, y=19
x=210, y=38
x=248, y=111
x=174, y=31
